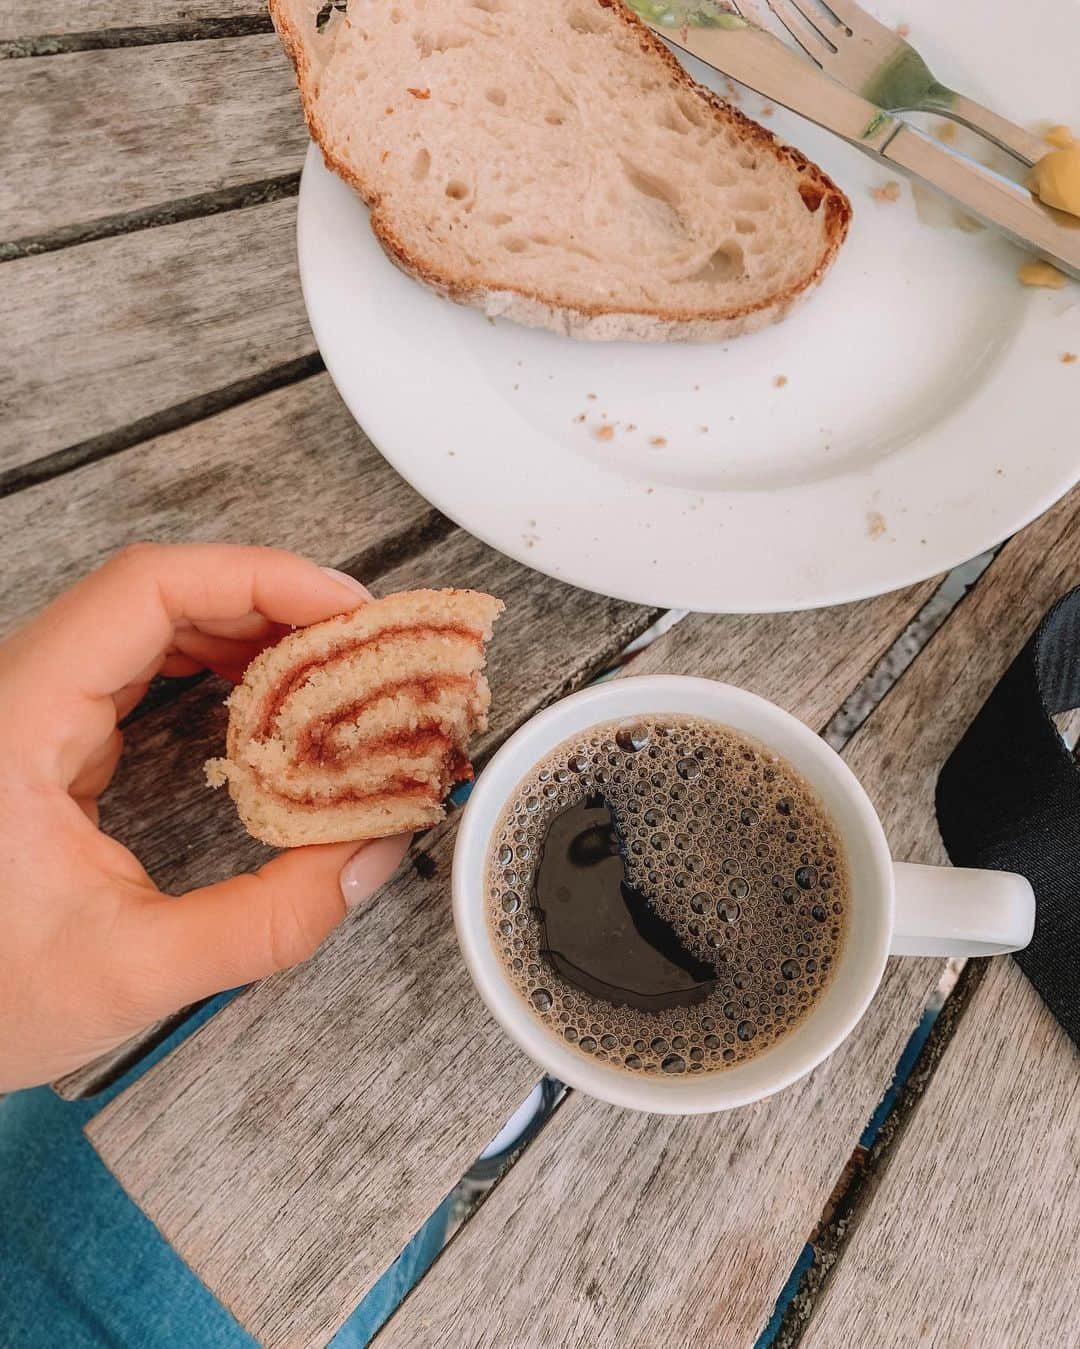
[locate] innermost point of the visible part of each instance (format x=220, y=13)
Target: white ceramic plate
x=926, y=413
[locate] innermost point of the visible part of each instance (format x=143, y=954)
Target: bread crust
x=595, y=322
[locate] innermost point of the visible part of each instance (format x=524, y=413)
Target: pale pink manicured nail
x=371, y=867
x=347, y=580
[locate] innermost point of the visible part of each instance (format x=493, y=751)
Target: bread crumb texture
x=554, y=164
x=1041, y=274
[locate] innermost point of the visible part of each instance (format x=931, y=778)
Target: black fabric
x=1009, y=799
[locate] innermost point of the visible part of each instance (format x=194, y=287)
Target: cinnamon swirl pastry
x=358, y=727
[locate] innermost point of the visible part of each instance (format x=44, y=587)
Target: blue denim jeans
x=80, y=1265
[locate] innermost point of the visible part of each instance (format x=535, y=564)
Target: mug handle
x=960, y=911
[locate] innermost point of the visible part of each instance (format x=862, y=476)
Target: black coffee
x=669, y=895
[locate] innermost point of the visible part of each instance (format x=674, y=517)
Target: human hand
x=90, y=950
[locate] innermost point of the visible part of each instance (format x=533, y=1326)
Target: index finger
x=118, y=621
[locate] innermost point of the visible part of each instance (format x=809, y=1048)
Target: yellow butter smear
x=1055, y=180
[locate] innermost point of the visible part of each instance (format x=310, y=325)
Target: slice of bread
x=550, y=161
x=358, y=727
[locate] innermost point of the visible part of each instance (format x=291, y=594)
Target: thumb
x=250, y=926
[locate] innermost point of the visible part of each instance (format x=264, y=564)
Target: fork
x=857, y=51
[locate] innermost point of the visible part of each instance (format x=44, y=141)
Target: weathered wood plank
x=254, y=474
x=655, y=1232
x=104, y=334
x=25, y=18
x=971, y=1237
x=408, y=1099
x=97, y=134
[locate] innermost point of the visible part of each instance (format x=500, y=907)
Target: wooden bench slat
x=25, y=18
x=973, y=1230
x=184, y=119
x=624, y=1224
x=254, y=474
x=102, y=335
x=293, y=1146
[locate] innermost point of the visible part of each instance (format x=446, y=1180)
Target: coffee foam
x=730, y=846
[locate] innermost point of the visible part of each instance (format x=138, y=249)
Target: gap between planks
x=143, y=35
x=175, y=418
x=165, y=338
x=971, y=1223
x=202, y=127
x=862, y=1178
x=152, y=217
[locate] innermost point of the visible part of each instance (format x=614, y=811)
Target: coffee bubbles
x=667, y=895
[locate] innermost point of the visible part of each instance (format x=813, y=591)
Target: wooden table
x=160, y=381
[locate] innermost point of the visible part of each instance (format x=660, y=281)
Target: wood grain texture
x=101, y=335
x=23, y=18
x=439, y=1079
x=663, y=1232
x=254, y=474
x=971, y=1238
x=131, y=128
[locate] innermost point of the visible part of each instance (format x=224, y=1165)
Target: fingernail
x=370, y=868
x=346, y=580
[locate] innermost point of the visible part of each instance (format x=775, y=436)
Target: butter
x=1055, y=179
x=1041, y=274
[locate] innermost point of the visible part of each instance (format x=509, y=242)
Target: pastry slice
x=358, y=727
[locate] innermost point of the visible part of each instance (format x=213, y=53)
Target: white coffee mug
x=896, y=908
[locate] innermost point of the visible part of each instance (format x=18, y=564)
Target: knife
x=741, y=50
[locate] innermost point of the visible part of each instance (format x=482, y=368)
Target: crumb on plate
x=1041, y=274
x=590, y=395
x=658, y=441
x=604, y=432
x=580, y=417
x=903, y=30
x=779, y=381
x=875, y=524
x=767, y=110
x=419, y=93
x=1069, y=358
x=889, y=191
